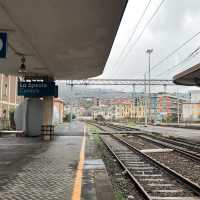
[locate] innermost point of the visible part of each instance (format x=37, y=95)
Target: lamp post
x=149, y=51
x=145, y=101
x=71, y=104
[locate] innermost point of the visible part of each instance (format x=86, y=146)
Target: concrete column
x=15, y=92
x=2, y=84
x=9, y=89
x=47, y=113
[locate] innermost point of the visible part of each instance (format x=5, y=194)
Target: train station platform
x=66, y=168
x=185, y=133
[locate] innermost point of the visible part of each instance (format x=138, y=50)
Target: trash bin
x=47, y=132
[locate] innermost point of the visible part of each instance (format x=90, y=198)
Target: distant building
x=163, y=106
x=195, y=96
x=58, y=110
x=8, y=99
x=104, y=111
x=139, y=108
x=191, y=112
x=122, y=108
x=169, y=106
x=117, y=109
x=8, y=94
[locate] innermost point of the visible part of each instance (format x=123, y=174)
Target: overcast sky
x=175, y=22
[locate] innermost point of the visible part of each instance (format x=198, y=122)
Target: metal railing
x=163, y=82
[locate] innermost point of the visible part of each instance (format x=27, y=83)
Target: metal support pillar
x=71, y=104
x=145, y=96
x=134, y=113
x=178, y=109
x=149, y=51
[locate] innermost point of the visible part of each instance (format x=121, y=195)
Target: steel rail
x=193, y=186
x=139, y=186
x=167, y=144
x=174, y=147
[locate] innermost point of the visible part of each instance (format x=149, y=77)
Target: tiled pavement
x=33, y=170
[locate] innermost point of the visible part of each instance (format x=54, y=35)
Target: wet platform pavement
x=31, y=169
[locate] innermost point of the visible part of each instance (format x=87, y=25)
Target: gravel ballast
x=174, y=160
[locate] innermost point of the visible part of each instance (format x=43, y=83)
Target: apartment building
x=8, y=99
x=191, y=112
x=139, y=108
x=122, y=108
x=162, y=106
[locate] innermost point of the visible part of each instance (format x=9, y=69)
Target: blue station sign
x=3, y=44
x=37, y=89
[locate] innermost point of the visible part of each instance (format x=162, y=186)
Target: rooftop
x=189, y=77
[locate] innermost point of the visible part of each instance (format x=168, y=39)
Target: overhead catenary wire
x=175, y=50
x=141, y=33
x=176, y=66
x=133, y=33
x=173, y=67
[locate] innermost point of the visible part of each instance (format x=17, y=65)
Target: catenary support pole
x=178, y=108
x=149, y=51
x=71, y=103
x=133, y=109
x=145, y=97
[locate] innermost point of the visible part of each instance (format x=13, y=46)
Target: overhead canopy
x=64, y=39
x=189, y=77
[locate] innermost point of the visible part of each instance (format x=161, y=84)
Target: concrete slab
x=94, y=164
x=75, y=128
x=189, y=134
x=96, y=183
x=156, y=150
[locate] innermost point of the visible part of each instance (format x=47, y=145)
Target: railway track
x=155, y=180
x=190, y=150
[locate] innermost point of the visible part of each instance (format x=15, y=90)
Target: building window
x=4, y=113
x=6, y=90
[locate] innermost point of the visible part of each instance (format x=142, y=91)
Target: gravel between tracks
x=174, y=160
x=139, y=143
x=123, y=187
x=188, y=168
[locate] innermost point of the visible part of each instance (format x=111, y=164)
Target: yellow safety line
x=76, y=195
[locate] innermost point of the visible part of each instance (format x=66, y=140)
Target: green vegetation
x=93, y=129
x=87, y=104
x=170, y=119
x=99, y=118
x=119, y=195
x=131, y=123
x=67, y=117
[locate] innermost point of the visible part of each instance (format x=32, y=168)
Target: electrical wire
x=175, y=50
x=132, y=34
x=190, y=56
x=143, y=30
